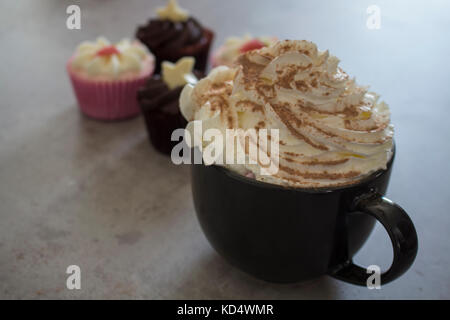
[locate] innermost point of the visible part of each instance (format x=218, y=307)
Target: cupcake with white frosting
x=233, y=47
x=106, y=77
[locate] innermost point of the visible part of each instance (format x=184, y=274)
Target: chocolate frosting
x=164, y=36
x=156, y=95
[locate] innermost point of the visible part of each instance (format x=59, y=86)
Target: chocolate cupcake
x=174, y=34
x=159, y=102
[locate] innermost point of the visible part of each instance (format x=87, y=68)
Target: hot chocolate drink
x=335, y=155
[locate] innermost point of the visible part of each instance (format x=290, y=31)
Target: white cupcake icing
x=233, y=47
x=173, y=12
x=105, y=60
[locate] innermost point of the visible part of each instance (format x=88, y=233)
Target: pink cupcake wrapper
x=107, y=100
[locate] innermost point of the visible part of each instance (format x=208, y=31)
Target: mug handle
x=400, y=229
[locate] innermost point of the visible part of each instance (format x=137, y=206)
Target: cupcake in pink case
x=106, y=77
x=235, y=46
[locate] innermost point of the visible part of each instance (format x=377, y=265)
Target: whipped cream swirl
x=332, y=131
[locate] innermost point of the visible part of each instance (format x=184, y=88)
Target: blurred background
x=77, y=191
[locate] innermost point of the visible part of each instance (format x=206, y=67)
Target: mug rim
x=318, y=190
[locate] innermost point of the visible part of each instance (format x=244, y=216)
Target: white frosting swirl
x=227, y=53
x=173, y=12
x=332, y=131
x=102, y=59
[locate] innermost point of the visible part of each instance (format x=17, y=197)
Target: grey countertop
x=93, y=194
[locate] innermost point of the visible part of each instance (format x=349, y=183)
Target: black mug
x=284, y=235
